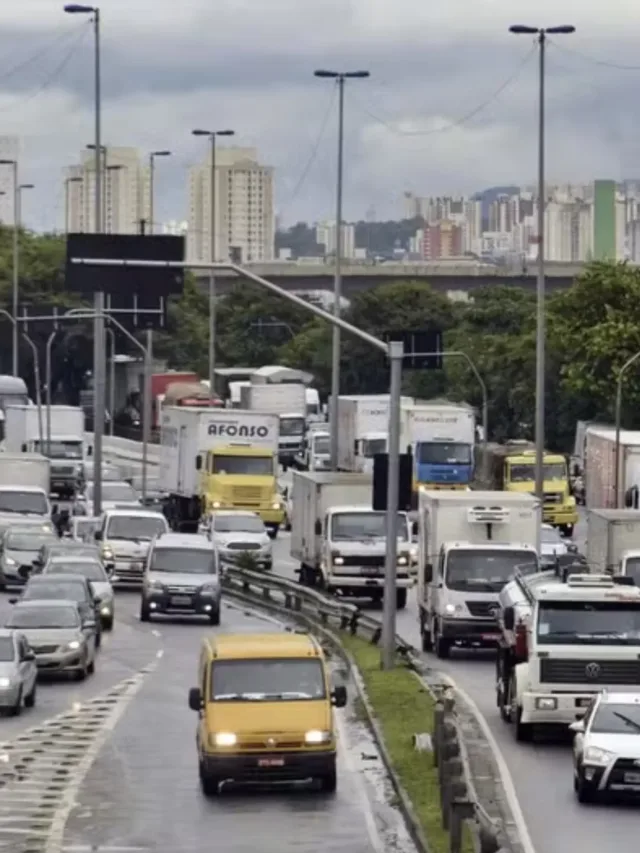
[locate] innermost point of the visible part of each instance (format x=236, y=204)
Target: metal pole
x=16, y=266
x=212, y=277
x=618, y=420
x=146, y=410
x=540, y=307
x=151, y=199
x=112, y=378
x=396, y=352
x=98, y=326
x=106, y=185
x=47, y=380
x=36, y=379
x=337, y=288
x=66, y=205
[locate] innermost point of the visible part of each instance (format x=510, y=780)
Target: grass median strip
x=403, y=708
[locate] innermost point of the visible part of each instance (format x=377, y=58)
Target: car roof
x=75, y=558
x=134, y=510
x=36, y=579
x=183, y=540
x=47, y=602
x=259, y=646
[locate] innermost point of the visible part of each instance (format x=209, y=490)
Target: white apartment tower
x=244, y=208
x=326, y=234
x=9, y=150
x=125, y=192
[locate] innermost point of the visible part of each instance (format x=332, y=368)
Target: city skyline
x=448, y=136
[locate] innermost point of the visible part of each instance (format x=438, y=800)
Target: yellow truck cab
x=511, y=467
x=265, y=707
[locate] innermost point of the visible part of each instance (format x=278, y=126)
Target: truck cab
x=292, y=430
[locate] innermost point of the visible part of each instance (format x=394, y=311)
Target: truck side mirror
x=355, y=447
x=24, y=448
x=318, y=528
x=198, y=463
x=428, y=572
x=414, y=528
x=509, y=618
x=195, y=699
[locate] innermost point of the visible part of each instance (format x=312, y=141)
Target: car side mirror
x=577, y=727
x=98, y=535
x=509, y=618
x=195, y=699
x=339, y=696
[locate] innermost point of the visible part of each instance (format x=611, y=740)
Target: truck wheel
x=401, y=599
x=427, y=640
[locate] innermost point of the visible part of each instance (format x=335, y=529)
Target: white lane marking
x=156, y=633
x=505, y=773
x=365, y=803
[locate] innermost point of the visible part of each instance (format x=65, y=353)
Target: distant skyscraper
x=9, y=150
x=604, y=220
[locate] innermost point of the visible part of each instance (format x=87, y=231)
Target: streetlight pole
x=152, y=172
x=98, y=323
x=67, y=216
x=16, y=263
x=212, y=134
x=541, y=34
x=618, y=415
x=339, y=77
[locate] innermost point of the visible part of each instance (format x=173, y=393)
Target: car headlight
x=73, y=645
x=595, y=755
x=453, y=609
x=216, y=504
x=402, y=561
x=5, y=682
x=317, y=736
x=224, y=739
x=209, y=589
x=106, y=609
x=107, y=553
x=276, y=505
x=156, y=585
x=10, y=561
x=338, y=561
x=47, y=528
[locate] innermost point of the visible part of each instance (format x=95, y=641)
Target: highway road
x=541, y=772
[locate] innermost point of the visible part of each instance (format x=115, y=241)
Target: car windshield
x=25, y=503
x=56, y=616
x=526, y=473
x=60, y=449
x=27, y=541
x=255, y=465
x=485, y=570
x=614, y=719
x=443, y=453
x=115, y=493
x=610, y=623
x=321, y=445
x=7, y=650
x=267, y=680
x=238, y=524
x=90, y=569
x=46, y=589
x=73, y=550
x=632, y=569
x=347, y=526
x=196, y=561
x=292, y=426
x=136, y=527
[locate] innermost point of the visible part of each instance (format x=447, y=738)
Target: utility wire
x=463, y=119
x=61, y=37
x=592, y=59
x=55, y=74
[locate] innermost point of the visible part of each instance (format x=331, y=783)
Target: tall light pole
x=99, y=357
x=67, y=183
x=152, y=170
x=212, y=134
x=16, y=262
x=541, y=34
x=340, y=77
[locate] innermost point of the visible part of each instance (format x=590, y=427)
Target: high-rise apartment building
x=125, y=192
x=604, y=220
x=9, y=150
x=326, y=233
x=244, y=208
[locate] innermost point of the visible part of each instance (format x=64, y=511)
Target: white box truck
x=24, y=489
x=340, y=541
x=287, y=400
x=470, y=545
x=66, y=450
x=600, y=468
x=219, y=459
x=613, y=542
x=363, y=430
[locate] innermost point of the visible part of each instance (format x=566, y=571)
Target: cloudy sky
x=450, y=106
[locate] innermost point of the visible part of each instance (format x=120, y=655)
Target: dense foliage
x=592, y=329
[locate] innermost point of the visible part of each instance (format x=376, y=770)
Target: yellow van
x=265, y=710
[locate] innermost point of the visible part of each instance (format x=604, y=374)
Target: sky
x=451, y=106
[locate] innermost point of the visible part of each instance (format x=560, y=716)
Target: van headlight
x=223, y=739
x=5, y=682
x=107, y=553
x=73, y=645
x=338, y=561
x=595, y=755
x=453, y=609
x=10, y=561
x=317, y=736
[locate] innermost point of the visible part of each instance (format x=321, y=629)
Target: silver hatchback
x=18, y=672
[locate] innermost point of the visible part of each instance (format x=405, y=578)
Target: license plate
x=271, y=762
x=632, y=778
x=491, y=636
x=370, y=571
x=180, y=599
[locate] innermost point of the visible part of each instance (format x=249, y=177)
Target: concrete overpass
x=458, y=278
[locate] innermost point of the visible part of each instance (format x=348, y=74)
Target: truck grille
x=243, y=546
x=553, y=497
x=250, y=494
x=585, y=671
x=482, y=609
x=63, y=470
x=366, y=560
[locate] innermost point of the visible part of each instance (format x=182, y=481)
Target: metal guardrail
x=126, y=450
x=459, y=799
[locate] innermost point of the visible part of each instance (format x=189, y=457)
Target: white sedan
x=552, y=545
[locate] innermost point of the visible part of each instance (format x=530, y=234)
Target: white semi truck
x=564, y=638
x=62, y=441
x=287, y=400
x=340, y=541
x=599, y=468
x=363, y=430
x=470, y=545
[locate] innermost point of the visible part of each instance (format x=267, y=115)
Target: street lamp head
x=7, y=162
x=79, y=9
x=114, y=167
x=161, y=153
x=322, y=72
x=565, y=29
x=356, y=75
x=522, y=29
x=26, y=187
x=200, y=132
x=225, y=133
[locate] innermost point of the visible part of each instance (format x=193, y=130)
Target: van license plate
x=271, y=762
x=180, y=599
x=491, y=637
x=632, y=778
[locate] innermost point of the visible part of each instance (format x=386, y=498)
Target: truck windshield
x=611, y=623
x=486, y=570
x=443, y=453
x=267, y=680
x=321, y=445
x=526, y=473
x=24, y=503
x=632, y=569
x=292, y=426
x=261, y=466
x=365, y=525
x=60, y=449
x=373, y=446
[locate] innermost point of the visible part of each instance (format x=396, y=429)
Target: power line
x=592, y=59
x=42, y=51
x=463, y=119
